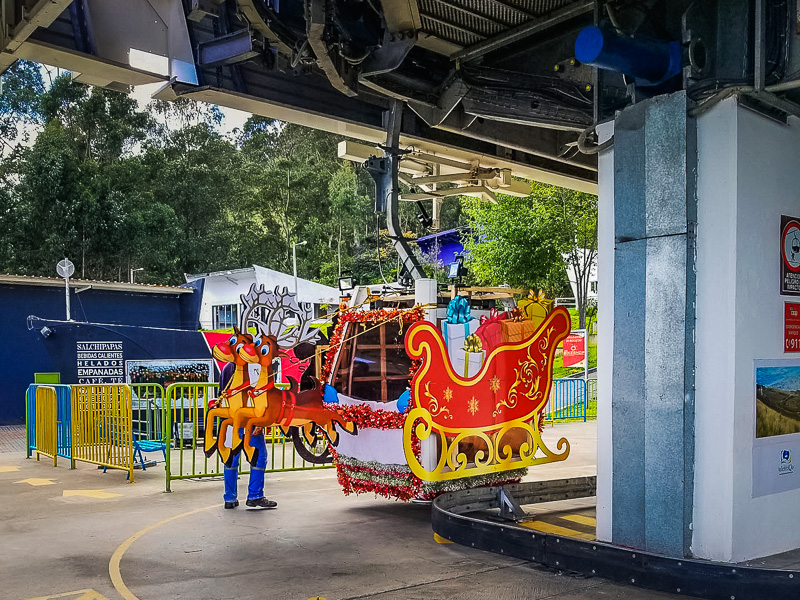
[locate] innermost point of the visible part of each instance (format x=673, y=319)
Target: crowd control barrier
x=568, y=400
x=46, y=418
x=185, y=408
x=102, y=429
x=147, y=403
x=63, y=423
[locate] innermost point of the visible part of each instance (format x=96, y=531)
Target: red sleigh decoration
x=507, y=395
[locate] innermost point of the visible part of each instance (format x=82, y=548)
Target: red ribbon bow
x=495, y=316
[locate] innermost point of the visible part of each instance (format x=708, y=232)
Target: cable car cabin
x=444, y=406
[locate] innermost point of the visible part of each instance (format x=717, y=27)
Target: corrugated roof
x=467, y=22
x=116, y=286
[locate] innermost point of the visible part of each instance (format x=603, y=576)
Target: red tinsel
x=365, y=417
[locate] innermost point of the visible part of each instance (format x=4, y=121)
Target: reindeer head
x=238, y=349
x=279, y=318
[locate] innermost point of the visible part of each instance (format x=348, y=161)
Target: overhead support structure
x=385, y=171
x=531, y=28
x=13, y=34
x=427, y=172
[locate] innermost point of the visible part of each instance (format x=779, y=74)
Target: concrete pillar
x=425, y=292
x=652, y=374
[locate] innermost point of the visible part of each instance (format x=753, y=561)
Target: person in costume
x=255, y=487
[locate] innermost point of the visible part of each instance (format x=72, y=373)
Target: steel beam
x=228, y=49
x=42, y=14
x=523, y=31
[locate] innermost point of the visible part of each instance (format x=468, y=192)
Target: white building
x=220, y=307
x=573, y=280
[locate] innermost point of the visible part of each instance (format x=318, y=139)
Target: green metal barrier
x=591, y=395
x=147, y=400
x=184, y=410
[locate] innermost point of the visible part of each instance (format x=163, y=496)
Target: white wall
x=748, y=175
x=605, y=341
x=714, y=351
x=219, y=290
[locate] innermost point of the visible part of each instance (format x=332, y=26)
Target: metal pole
x=294, y=266
x=760, y=66
x=66, y=295
x=294, y=261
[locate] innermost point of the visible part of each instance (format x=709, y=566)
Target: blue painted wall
x=148, y=325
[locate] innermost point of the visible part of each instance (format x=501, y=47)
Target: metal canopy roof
x=494, y=80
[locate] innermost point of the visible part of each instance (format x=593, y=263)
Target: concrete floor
x=87, y=535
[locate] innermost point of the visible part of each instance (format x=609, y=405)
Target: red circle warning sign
x=790, y=256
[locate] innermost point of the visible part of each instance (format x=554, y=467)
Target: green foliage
x=524, y=242
x=113, y=187
x=21, y=86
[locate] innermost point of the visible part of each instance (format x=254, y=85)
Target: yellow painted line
x=36, y=481
x=556, y=530
x=440, y=540
x=113, y=565
x=84, y=595
x=8, y=469
x=582, y=519
x=99, y=494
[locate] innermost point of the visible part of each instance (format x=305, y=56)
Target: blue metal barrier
x=63, y=424
x=567, y=400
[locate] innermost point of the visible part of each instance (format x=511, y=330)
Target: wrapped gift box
x=535, y=307
x=490, y=331
x=517, y=331
x=455, y=334
x=467, y=364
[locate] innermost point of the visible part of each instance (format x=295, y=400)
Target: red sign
x=574, y=350
x=791, y=327
x=790, y=256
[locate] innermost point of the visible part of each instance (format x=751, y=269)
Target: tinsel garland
x=404, y=315
x=365, y=417
x=431, y=489
x=397, y=481
x=389, y=481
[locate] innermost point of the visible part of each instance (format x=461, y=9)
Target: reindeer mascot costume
x=281, y=323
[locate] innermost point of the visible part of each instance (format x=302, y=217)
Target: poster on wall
x=168, y=371
x=791, y=327
x=777, y=427
x=790, y=256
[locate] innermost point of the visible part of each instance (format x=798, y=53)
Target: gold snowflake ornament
x=494, y=384
x=448, y=394
x=472, y=405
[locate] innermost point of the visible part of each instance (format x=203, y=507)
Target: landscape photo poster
x=777, y=399
x=775, y=446
x=168, y=371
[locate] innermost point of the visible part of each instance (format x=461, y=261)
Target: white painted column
x=425, y=292
x=605, y=338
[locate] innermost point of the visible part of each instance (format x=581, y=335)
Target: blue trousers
x=255, y=488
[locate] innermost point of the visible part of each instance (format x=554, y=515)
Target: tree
x=525, y=242
x=20, y=87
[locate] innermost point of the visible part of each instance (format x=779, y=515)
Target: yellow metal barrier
x=102, y=429
x=46, y=417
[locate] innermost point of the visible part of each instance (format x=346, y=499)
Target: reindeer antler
x=272, y=311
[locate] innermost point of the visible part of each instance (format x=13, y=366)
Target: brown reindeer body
x=238, y=350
